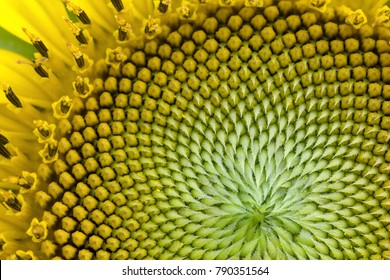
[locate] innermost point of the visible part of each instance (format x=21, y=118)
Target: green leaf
x=12, y=43
x=71, y=15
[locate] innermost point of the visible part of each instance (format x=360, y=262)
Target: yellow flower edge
x=224, y=129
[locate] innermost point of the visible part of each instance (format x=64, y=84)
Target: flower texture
x=217, y=129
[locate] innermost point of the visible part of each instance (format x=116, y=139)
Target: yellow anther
x=37, y=42
x=82, y=87
x=62, y=108
x=187, y=10
x=115, y=57
x=82, y=16
x=184, y=12
x=319, y=5
x=121, y=21
x=124, y=28
x=164, y=5
x=383, y=17
x=44, y=131
x=10, y=201
x=77, y=31
x=38, y=230
x=73, y=8
x=77, y=54
x=254, y=3
x=120, y=56
x=49, y=153
x=356, y=18
x=227, y=3
x=10, y=95
x=152, y=28
x=37, y=65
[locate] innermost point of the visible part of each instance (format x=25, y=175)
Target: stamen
x=62, y=108
x=164, y=5
x=44, y=130
x=10, y=201
x=3, y=139
x=77, y=31
x=4, y=152
x=37, y=42
x=254, y=3
x=11, y=96
x=81, y=15
x=49, y=153
x=52, y=149
x=152, y=28
x=115, y=57
x=357, y=19
x=65, y=105
x=124, y=28
x=184, y=12
x=39, y=69
x=118, y=5
x=383, y=17
x=187, y=10
x=319, y=5
x=77, y=54
x=38, y=230
x=26, y=181
x=79, y=85
x=82, y=87
x=227, y=3
x=37, y=64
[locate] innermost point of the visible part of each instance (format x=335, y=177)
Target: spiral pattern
x=255, y=142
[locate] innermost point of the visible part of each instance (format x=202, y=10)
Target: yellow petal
x=41, y=19
x=24, y=81
x=145, y=8
x=97, y=12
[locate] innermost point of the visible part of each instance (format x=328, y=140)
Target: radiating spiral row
x=250, y=136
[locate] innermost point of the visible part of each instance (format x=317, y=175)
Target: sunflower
x=195, y=129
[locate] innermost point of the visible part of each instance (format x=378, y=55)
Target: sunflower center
x=241, y=135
